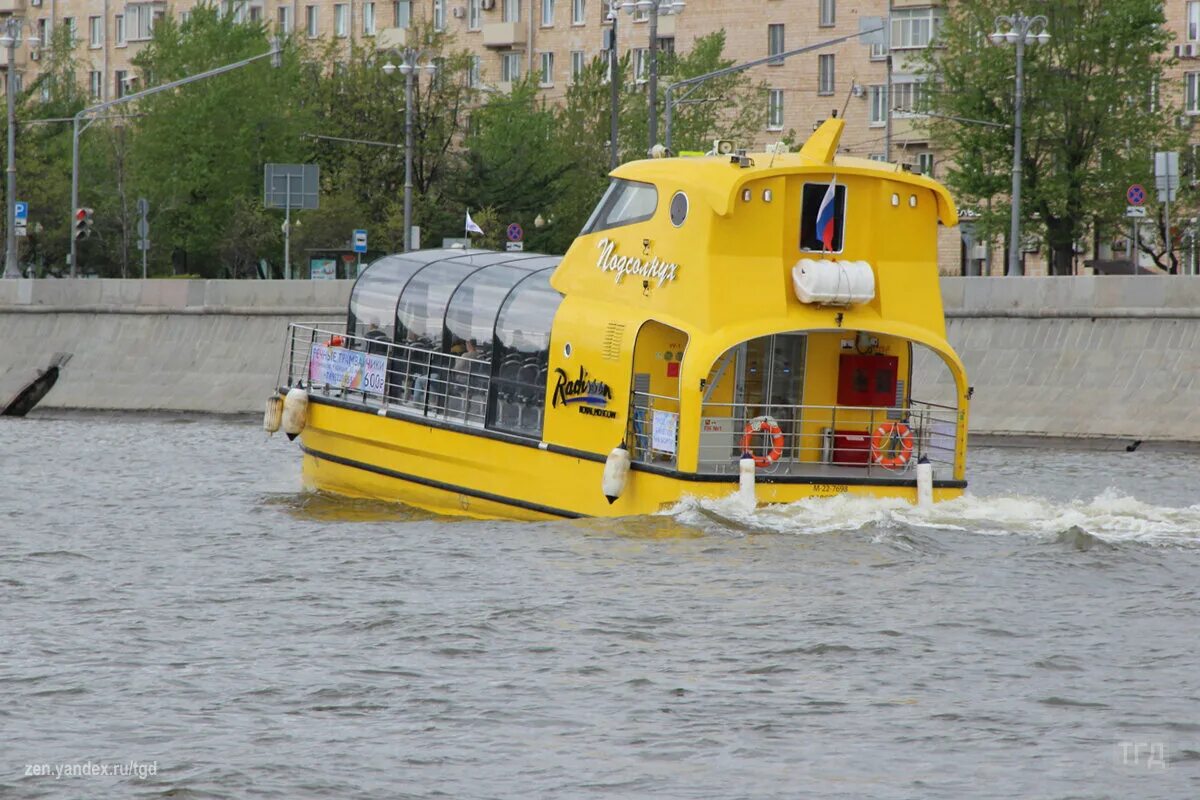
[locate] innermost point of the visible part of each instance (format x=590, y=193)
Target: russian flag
x=827, y=217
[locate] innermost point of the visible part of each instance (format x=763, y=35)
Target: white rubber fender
x=746, y=482
x=295, y=412
x=273, y=415
x=616, y=473
x=924, y=483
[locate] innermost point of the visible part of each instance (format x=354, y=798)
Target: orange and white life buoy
x=892, y=445
x=763, y=425
x=337, y=340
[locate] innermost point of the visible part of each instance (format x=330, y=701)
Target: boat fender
x=616, y=473
x=273, y=416
x=924, y=483
x=295, y=409
x=746, y=467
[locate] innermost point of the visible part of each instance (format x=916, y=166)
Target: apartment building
x=554, y=39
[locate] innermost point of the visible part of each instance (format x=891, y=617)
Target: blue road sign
x=1136, y=195
x=22, y=210
x=515, y=234
x=360, y=241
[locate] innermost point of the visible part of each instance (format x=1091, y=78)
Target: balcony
x=12, y=6
x=385, y=38
x=502, y=34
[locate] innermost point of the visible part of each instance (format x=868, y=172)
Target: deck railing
x=834, y=436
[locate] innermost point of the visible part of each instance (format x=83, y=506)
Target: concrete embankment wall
x=211, y=346
x=1089, y=356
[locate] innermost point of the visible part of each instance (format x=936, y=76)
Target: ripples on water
x=168, y=596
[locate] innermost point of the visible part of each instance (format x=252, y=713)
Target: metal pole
x=614, y=95
x=287, y=228
x=1136, y=259
x=887, y=111
x=1014, y=245
x=653, y=93
x=408, y=148
x=1167, y=224
x=75, y=131
x=11, y=270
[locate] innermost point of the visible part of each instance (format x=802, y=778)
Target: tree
x=202, y=148
x=1091, y=114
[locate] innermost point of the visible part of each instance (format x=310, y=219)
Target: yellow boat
x=760, y=324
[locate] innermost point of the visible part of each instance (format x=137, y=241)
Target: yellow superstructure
x=679, y=320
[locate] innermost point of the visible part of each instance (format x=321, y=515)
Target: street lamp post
x=10, y=37
x=653, y=8
x=409, y=67
x=1018, y=29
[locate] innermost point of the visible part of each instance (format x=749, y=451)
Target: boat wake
x=1108, y=518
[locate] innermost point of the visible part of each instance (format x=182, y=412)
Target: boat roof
x=719, y=179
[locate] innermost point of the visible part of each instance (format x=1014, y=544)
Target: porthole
x=895, y=200
x=567, y=350
x=679, y=208
x=912, y=201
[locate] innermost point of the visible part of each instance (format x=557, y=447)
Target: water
x=170, y=602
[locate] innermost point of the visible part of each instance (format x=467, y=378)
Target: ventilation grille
x=614, y=332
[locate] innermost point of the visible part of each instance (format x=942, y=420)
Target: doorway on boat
x=654, y=403
x=751, y=397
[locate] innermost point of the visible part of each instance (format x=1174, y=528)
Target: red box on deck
x=849, y=448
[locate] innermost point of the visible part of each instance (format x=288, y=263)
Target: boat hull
x=449, y=470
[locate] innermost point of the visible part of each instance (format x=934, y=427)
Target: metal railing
x=654, y=428
x=828, y=440
x=377, y=373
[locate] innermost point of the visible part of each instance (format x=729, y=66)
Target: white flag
x=471, y=226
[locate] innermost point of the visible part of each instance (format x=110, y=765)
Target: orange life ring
x=892, y=445
x=337, y=340
x=759, y=425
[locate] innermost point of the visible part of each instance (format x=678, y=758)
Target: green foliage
x=1089, y=128
x=200, y=150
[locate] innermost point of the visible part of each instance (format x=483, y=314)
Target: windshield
x=625, y=202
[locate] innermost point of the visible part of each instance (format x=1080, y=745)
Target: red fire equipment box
x=867, y=380
x=847, y=448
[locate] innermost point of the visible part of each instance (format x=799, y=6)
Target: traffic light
x=83, y=223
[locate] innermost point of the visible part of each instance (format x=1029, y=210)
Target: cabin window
x=812, y=239
x=624, y=203
x=373, y=299
x=521, y=356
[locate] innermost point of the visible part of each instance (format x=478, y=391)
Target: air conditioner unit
x=487, y=5
x=459, y=12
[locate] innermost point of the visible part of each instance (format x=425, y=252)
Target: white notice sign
x=663, y=427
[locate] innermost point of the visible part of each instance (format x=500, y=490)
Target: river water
x=176, y=612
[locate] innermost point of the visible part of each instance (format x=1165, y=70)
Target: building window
x=402, y=13
x=284, y=18
x=119, y=82
x=879, y=51
x=95, y=84
x=578, y=62
x=828, y=13
x=473, y=74
x=439, y=15
x=775, y=110
x=512, y=10
x=69, y=24
x=641, y=60
x=256, y=13
x=547, y=76
x=925, y=163
x=825, y=74
x=908, y=98
x=915, y=27
x=368, y=15
x=1193, y=22
x=310, y=22
x=775, y=44
x=341, y=19
x=510, y=67
x=1192, y=93
x=578, y=12
x=473, y=15
x=547, y=13
x=95, y=31
x=118, y=23
x=140, y=19
x=878, y=105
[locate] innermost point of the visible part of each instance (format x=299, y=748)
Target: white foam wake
x=1110, y=516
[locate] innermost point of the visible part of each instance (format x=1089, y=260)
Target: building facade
x=554, y=39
